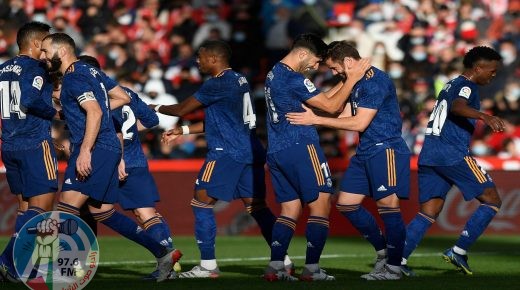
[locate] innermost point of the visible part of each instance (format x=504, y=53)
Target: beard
x=54, y=64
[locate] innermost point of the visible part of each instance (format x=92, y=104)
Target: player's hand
x=356, y=72
x=169, y=136
x=304, y=118
x=83, y=165
x=496, y=124
x=121, y=170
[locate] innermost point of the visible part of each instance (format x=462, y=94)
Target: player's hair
x=218, y=47
x=90, y=60
x=29, y=31
x=338, y=50
x=479, y=53
x=312, y=42
x=61, y=38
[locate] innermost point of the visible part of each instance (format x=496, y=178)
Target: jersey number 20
x=437, y=118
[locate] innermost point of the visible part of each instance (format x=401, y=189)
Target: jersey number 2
x=10, y=99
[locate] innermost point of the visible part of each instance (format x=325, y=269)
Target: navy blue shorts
x=102, y=184
x=226, y=179
x=299, y=172
x=467, y=175
x=383, y=174
x=138, y=190
x=32, y=172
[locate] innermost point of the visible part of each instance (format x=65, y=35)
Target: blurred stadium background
x=149, y=45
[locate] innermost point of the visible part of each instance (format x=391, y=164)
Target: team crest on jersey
x=93, y=72
x=465, y=92
x=38, y=82
x=309, y=85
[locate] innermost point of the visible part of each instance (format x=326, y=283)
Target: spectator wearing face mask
x=510, y=69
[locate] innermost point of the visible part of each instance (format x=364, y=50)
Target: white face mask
x=309, y=2
x=479, y=149
x=508, y=57
x=395, y=73
x=156, y=73
x=419, y=56
x=513, y=95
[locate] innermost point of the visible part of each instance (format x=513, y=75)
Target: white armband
x=157, y=108
x=185, y=130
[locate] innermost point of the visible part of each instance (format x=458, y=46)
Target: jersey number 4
x=10, y=99
x=437, y=118
x=248, y=112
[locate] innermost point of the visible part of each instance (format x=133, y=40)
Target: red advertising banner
x=175, y=180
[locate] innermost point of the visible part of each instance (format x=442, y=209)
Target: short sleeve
x=303, y=88
x=371, y=96
x=209, y=92
x=80, y=89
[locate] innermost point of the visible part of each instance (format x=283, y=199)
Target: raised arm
x=118, y=97
x=333, y=100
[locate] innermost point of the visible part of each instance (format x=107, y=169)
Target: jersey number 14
x=10, y=99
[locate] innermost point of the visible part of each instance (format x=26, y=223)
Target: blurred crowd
x=150, y=46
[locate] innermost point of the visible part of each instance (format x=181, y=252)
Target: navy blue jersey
x=377, y=91
x=448, y=136
x=286, y=91
x=25, y=103
x=229, y=115
x=125, y=119
x=85, y=83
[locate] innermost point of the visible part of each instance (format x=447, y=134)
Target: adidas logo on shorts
x=68, y=181
x=381, y=188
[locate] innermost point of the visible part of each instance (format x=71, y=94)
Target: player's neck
x=66, y=64
x=219, y=72
x=289, y=62
x=28, y=53
x=467, y=75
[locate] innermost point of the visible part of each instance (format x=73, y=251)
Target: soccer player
x=27, y=151
x=445, y=158
x=137, y=189
x=228, y=171
x=91, y=175
x=298, y=167
x=380, y=168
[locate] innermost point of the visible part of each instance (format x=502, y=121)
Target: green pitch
x=494, y=260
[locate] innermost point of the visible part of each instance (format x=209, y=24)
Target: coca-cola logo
x=456, y=212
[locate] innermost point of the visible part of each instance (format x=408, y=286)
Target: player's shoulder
x=461, y=87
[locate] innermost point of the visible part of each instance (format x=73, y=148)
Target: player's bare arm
x=185, y=107
x=121, y=169
x=169, y=136
x=93, y=121
x=334, y=103
x=358, y=122
x=460, y=107
x=118, y=97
